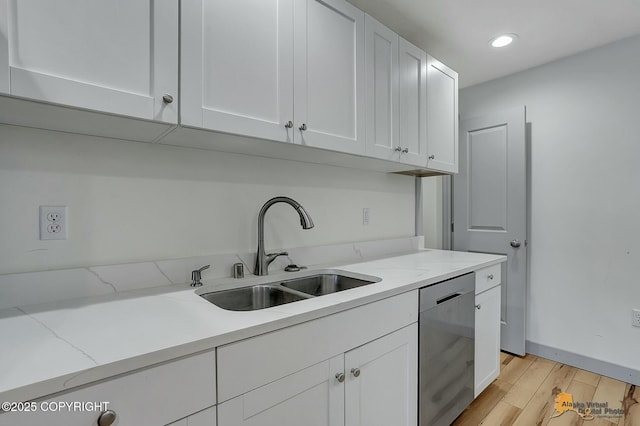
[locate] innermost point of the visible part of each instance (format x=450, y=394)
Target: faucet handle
x=272, y=256
x=196, y=276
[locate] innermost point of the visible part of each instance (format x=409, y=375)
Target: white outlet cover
x=635, y=317
x=53, y=222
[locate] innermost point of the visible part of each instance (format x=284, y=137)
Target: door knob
x=303, y=127
x=167, y=99
x=340, y=377
x=515, y=243
x=398, y=148
x=432, y=157
x=406, y=150
x=355, y=372
x=288, y=124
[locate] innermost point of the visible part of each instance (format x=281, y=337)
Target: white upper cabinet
x=442, y=119
x=382, y=99
x=413, y=104
x=329, y=97
x=119, y=57
x=284, y=70
x=396, y=93
x=237, y=67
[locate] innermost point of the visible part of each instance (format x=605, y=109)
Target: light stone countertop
x=56, y=346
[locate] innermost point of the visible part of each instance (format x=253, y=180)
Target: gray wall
x=584, y=112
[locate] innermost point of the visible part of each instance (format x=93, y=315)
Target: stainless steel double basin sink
x=276, y=293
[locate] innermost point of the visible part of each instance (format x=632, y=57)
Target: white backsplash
x=32, y=288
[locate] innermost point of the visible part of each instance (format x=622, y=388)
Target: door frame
x=447, y=209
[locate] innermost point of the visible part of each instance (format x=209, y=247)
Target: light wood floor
x=526, y=390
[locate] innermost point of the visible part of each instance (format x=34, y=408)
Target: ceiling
x=458, y=32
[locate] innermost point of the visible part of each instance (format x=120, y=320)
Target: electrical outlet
x=635, y=317
x=53, y=222
x=366, y=215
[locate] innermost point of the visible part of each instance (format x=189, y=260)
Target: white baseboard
x=604, y=368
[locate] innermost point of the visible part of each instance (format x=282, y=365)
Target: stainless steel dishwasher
x=446, y=349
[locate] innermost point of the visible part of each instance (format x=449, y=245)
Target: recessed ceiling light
x=503, y=40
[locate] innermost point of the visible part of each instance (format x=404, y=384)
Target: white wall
x=585, y=202
x=130, y=202
x=432, y=211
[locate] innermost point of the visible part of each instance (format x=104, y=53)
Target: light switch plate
x=366, y=215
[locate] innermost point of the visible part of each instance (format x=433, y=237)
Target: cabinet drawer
x=248, y=364
x=488, y=277
x=154, y=396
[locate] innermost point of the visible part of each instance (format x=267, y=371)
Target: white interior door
x=489, y=208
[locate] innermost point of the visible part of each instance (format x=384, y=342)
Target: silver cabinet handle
x=404, y=151
x=107, y=418
x=515, y=243
x=398, y=148
x=340, y=377
x=288, y=124
x=167, y=99
x=432, y=157
x=303, y=127
x=490, y=276
x=355, y=372
x=478, y=306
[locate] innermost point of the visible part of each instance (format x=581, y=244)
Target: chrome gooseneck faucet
x=263, y=260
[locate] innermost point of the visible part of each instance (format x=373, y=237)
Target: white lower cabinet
x=154, y=396
x=382, y=381
x=374, y=384
x=487, y=345
x=356, y=367
x=203, y=418
x=312, y=396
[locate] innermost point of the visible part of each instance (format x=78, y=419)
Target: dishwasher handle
x=449, y=297
x=442, y=292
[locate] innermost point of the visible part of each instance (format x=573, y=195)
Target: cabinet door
x=384, y=392
x=442, y=117
x=154, y=396
x=329, y=75
x=487, y=349
x=413, y=103
x=111, y=56
x=310, y=397
x=381, y=69
x=203, y=418
x=237, y=66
